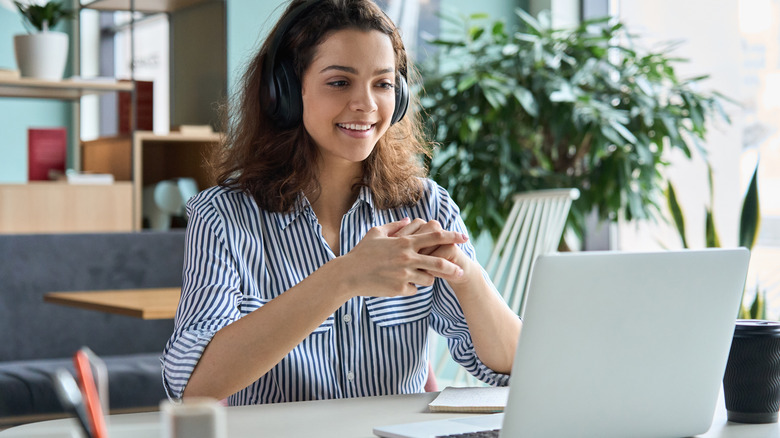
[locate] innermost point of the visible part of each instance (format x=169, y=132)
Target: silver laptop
x=616, y=344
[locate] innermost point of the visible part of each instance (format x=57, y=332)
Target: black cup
x=751, y=384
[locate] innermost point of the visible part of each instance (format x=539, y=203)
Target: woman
x=317, y=265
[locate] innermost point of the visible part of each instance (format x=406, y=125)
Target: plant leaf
x=750, y=219
x=757, y=309
x=625, y=133
x=677, y=215
x=526, y=100
x=711, y=233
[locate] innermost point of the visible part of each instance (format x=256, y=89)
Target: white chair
x=534, y=227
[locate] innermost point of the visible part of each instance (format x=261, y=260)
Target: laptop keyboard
x=481, y=434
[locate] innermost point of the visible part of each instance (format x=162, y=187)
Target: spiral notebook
x=476, y=399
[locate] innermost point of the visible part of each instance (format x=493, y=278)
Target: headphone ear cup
x=289, y=102
x=401, y=100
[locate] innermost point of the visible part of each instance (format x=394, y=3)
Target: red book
x=144, y=111
x=47, y=149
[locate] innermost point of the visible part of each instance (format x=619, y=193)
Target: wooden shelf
x=67, y=89
x=160, y=157
x=147, y=6
x=59, y=207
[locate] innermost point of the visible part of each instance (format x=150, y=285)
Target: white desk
x=346, y=418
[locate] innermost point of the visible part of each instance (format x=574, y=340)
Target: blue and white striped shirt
x=239, y=257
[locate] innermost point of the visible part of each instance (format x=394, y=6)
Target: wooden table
x=158, y=303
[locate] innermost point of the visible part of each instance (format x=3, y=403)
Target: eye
x=387, y=85
x=338, y=84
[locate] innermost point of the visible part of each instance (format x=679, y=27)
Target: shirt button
x=350, y=376
x=347, y=318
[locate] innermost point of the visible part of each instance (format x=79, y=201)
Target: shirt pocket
x=387, y=312
x=250, y=304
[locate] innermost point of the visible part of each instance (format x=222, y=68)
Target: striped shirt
x=239, y=257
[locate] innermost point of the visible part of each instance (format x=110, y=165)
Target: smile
x=354, y=126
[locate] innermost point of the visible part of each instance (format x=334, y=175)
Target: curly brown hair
x=274, y=165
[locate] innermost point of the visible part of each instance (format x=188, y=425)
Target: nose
x=363, y=99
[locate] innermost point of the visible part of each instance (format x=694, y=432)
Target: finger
x=391, y=228
x=430, y=226
x=444, y=251
x=414, y=227
x=421, y=278
x=434, y=225
x=428, y=251
x=437, y=238
x=439, y=267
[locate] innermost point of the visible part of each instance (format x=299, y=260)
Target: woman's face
x=348, y=94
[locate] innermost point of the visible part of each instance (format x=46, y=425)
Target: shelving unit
x=162, y=157
x=50, y=206
x=198, y=30
x=146, y=6
x=59, y=207
x=67, y=89
x=198, y=61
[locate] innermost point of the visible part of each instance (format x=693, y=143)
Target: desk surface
x=345, y=418
x=159, y=303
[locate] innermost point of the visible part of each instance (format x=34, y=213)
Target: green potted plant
x=749, y=226
x=517, y=110
x=42, y=53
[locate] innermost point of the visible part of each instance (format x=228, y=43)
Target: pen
x=69, y=395
x=89, y=391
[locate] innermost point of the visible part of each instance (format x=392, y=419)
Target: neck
x=336, y=194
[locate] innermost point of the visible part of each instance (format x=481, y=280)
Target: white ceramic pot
x=41, y=55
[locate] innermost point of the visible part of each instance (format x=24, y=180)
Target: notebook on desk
x=616, y=344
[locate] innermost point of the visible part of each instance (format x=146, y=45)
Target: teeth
x=354, y=126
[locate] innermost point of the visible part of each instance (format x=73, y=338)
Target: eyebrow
x=351, y=70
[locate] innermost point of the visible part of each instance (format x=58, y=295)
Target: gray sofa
x=39, y=337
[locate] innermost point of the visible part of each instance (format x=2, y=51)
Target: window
x=759, y=29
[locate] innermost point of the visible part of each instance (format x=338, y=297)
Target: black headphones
x=285, y=103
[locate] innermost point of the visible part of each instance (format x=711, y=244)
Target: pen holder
x=197, y=417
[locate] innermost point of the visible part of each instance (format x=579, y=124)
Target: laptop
x=616, y=344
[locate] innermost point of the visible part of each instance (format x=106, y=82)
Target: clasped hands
x=392, y=259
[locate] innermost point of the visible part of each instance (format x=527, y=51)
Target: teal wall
x=248, y=23
x=16, y=115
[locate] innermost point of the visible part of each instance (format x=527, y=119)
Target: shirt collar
x=365, y=197
x=302, y=206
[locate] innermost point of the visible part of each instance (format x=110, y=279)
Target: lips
x=355, y=126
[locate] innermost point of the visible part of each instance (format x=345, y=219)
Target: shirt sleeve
x=447, y=317
x=210, y=296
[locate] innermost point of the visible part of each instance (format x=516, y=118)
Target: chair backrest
x=534, y=227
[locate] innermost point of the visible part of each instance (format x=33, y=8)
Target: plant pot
x=41, y=55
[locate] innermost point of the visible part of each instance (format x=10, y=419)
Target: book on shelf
x=92, y=79
x=144, y=111
x=193, y=129
x=471, y=399
x=46, y=152
x=75, y=177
